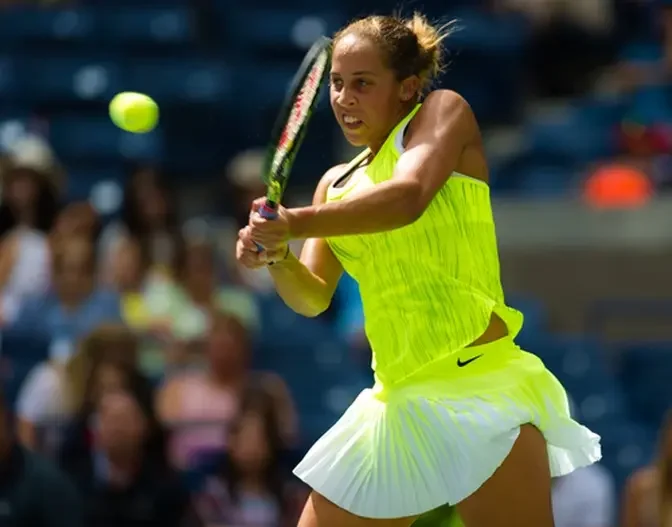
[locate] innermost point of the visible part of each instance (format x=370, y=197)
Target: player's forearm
x=385, y=207
x=302, y=291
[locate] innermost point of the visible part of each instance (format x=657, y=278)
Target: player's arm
x=307, y=284
x=441, y=130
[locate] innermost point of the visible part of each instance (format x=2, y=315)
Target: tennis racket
x=291, y=124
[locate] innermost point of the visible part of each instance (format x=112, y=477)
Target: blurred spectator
x=198, y=293
x=244, y=175
x=123, y=476
x=78, y=220
x=585, y=498
x=30, y=182
x=110, y=373
x=643, y=77
x=32, y=491
x=648, y=494
x=148, y=216
x=251, y=488
x=56, y=391
x=129, y=271
x=175, y=315
x=76, y=305
x=199, y=406
x=564, y=29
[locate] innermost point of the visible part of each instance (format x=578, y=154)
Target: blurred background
x=127, y=326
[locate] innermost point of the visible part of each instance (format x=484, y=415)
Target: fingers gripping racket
x=291, y=124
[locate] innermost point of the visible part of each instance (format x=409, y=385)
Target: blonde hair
x=410, y=46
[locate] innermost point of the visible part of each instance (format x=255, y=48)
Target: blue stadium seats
x=96, y=138
x=148, y=25
x=500, y=34
x=171, y=80
x=27, y=24
x=9, y=84
x=645, y=371
x=573, y=134
x=69, y=78
x=536, y=317
x=627, y=447
x=82, y=180
x=579, y=364
x=546, y=180
x=313, y=361
x=275, y=28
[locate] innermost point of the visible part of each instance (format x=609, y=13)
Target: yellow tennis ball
x=134, y=112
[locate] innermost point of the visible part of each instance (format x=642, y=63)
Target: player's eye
x=337, y=83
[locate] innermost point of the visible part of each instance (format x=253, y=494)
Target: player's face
x=365, y=95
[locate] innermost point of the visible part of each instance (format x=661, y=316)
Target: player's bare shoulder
x=443, y=101
x=446, y=106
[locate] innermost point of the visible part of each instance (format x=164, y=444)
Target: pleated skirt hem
x=421, y=449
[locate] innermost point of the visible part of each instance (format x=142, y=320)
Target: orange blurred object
x=618, y=186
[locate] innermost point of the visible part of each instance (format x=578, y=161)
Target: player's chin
x=354, y=139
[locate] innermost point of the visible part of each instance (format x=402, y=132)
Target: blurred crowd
x=147, y=374
x=146, y=395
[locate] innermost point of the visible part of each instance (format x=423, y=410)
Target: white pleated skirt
x=406, y=449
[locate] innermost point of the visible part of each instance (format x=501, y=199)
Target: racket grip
x=269, y=213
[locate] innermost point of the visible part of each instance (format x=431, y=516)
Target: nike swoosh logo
x=462, y=364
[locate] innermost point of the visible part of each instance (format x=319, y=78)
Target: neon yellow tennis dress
x=441, y=416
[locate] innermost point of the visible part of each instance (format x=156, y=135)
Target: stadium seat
x=571, y=133
x=24, y=25
x=91, y=138
x=148, y=25
x=72, y=78
x=627, y=447
x=475, y=29
x=536, y=317
x=276, y=29
x=645, y=371
x=188, y=80
x=546, y=180
x=9, y=84
x=579, y=364
x=83, y=180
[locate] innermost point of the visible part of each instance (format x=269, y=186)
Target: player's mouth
x=351, y=122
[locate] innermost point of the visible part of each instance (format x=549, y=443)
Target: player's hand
x=271, y=234
x=248, y=254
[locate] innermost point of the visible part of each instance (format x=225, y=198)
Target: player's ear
x=409, y=88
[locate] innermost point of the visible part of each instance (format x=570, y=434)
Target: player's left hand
x=270, y=234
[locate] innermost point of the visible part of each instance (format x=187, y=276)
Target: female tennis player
x=458, y=414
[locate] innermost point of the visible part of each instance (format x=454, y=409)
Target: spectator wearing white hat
x=30, y=186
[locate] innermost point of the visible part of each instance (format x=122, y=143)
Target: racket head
x=290, y=126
